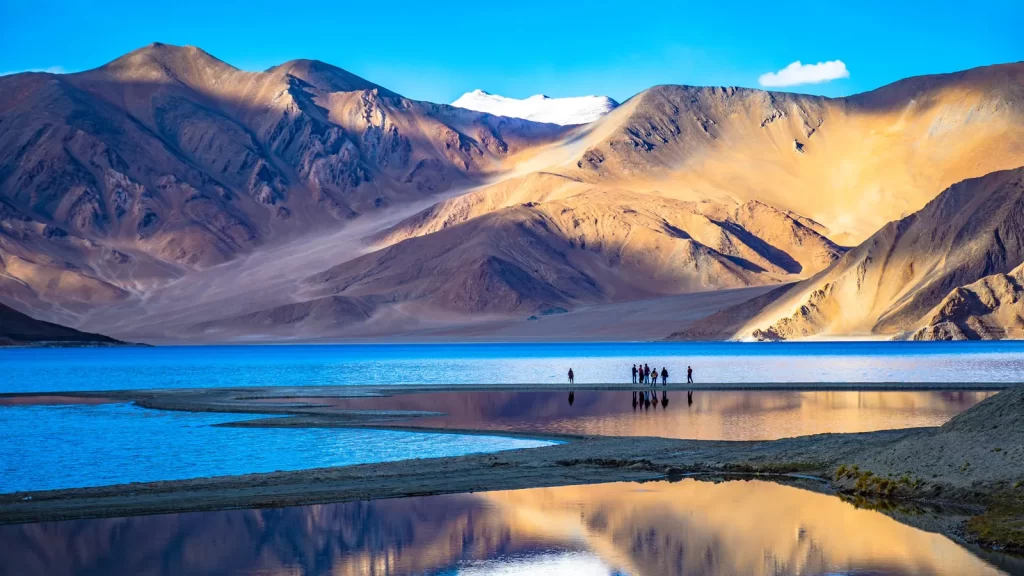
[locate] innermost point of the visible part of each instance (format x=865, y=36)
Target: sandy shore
x=974, y=463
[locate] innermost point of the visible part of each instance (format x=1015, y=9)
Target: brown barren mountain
x=120, y=179
x=990, y=309
x=852, y=164
x=893, y=282
x=170, y=195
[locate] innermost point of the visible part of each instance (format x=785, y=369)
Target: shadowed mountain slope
x=168, y=160
x=17, y=329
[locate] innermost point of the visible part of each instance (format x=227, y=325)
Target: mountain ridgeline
x=168, y=195
x=167, y=160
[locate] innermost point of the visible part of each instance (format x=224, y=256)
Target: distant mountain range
x=539, y=108
x=168, y=195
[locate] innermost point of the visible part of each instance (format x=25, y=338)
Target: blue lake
x=76, y=369
x=70, y=446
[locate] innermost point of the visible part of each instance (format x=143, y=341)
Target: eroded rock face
x=949, y=271
x=990, y=309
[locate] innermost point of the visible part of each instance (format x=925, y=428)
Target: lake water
x=692, y=527
x=708, y=415
x=70, y=446
x=940, y=363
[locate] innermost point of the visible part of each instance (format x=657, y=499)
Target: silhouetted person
x=664, y=376
x=664, y=399
x=571, y=376
x=647, y=374
x=570, y=397
x=634, y=373
x=689, y=374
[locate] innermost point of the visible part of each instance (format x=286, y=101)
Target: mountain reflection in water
x=656, y=528
x=711, y=415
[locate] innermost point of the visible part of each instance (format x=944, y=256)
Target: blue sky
x=438, y=50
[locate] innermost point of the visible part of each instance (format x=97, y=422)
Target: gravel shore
x=974, y=465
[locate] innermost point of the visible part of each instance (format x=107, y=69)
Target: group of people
x=642, y=374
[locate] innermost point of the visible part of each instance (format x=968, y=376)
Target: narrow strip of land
x=976, y=459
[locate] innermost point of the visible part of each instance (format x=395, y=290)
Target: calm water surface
x=712, y=415
x=76, y=445
x=70, y=446
x=690, y=527
x=36, y=370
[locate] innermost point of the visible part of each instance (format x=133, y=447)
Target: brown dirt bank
x=975, y=460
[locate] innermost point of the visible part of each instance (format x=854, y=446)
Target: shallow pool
x=68, y=446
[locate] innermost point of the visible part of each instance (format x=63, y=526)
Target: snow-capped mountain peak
x=539, y=108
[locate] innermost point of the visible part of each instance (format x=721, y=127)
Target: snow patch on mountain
x=539, y=108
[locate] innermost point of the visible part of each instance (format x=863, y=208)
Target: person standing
x=570, y=376
x=664, y=376
x=647, y=374
x=654, y=378
x=634, y=373
x=689, y=374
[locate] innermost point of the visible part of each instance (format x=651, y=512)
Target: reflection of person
x=634, y=373
x=689, y=398
x=664, y=376
x=634, y=399
x=570, y=397
x=664, y=399
x=689, y=374
x=570, y=376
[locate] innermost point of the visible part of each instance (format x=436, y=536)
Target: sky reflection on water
x=712, y=415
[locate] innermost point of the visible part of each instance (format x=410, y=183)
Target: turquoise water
x=71, y=446
x=37, y=370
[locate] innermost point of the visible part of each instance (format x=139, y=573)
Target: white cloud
x=797, y=73
x=50, y=70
